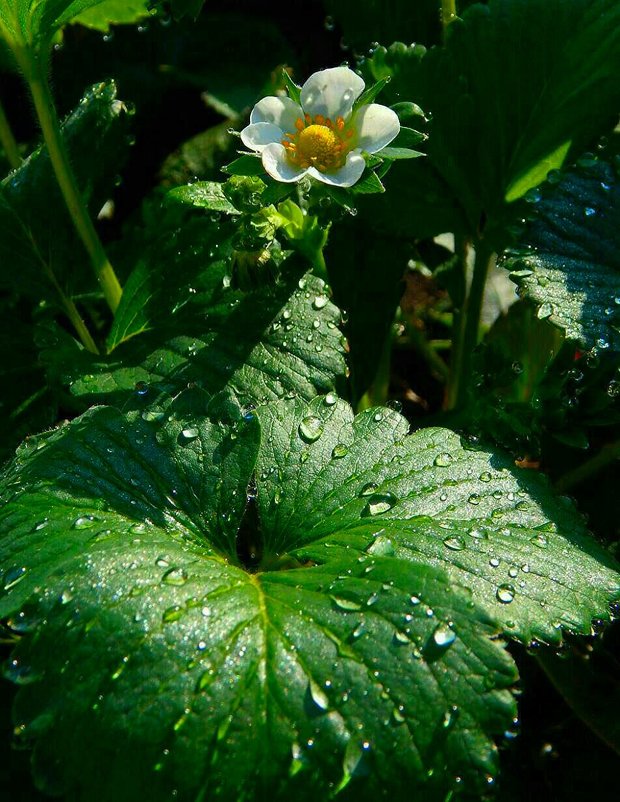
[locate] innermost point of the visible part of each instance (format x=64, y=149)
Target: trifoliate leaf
x=568, y=259
x=153, y=663
x=362, y=483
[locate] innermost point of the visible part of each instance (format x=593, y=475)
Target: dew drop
x=190, y=434
x=330, y=399
x=540, y=541
x=346, y=604
x=318, y=695
x=175, y=576
x=505, y=594
x=443, y=636
x=311, y=428
x=320, y=301
x=368, y=489
x=379, y=503
x=443, y=460
x=339, y=451
x=454, y=543
x=485, y=476
x=474, y=499
x=84, y=522
x=382, y=546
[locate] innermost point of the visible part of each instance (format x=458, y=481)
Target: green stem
x=429, y=354
x=36, y=76
x=448, y=13
x=70, y=308
x=607, y=454
x=466, y=330
x=8, y=142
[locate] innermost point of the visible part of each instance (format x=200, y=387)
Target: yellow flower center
x=318, y=143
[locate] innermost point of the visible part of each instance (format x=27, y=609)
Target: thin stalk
x=466, y=329
x=429, y=354
x=448, y=13
x=48, y=119
x=8, y=141
x=607, y=454
x=71, y=311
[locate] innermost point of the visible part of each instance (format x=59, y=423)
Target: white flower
x=323, y=137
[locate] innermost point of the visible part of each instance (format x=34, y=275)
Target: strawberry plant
x=311, y=381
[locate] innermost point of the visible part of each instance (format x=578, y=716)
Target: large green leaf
x=568, y=259
x=362, y=483
x=518, y=85
x=181, y=320
x=32, y=23
x=37, y=233
x=114, y=12
x=153, y=664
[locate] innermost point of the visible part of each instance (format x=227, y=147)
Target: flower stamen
x=318, y=143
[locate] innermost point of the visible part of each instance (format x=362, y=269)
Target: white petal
x=281, y=111
x=349, y=174
x=332, y=92
x=278, y=166
x=259, y=135
x=375, y=126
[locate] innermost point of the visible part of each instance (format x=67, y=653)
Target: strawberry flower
x=322, y=136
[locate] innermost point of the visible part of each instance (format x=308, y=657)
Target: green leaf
x=139, y=623
x=369, y=184
x=568, y=259
x=37, y=231
x=245, y=165
x=370, y=93
x=181, y=321
x=203, y=195
x=114, y=12
x=400, y=153
x=498, y=529
x=294, y=91
x=538, y=172
x=31, y=24
x=408, y=137
x=517, y=83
